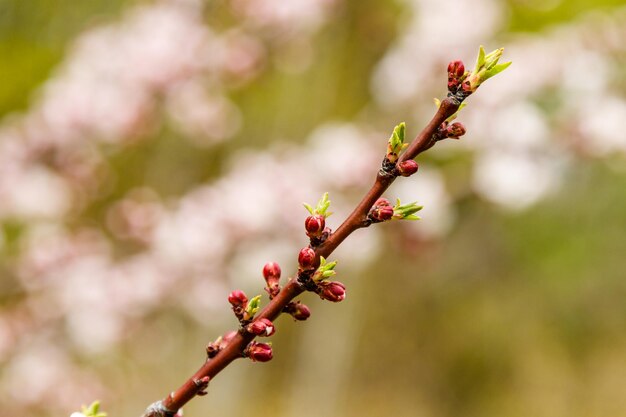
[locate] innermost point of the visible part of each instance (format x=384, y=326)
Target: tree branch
x=356, y=220
x=461, y=84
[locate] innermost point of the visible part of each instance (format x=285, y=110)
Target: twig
x=221, y=354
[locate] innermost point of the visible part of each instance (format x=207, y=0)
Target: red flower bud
x=407, y=168
x=455, y=130
x=456, y=70
x=271, y=273
x=261, y=327
x=382, y=210
x=333, y=291
x=298, y=311
x=306, y=258
x=237, y=298
x=259, y=352
x=382, y=202
x=314, y=225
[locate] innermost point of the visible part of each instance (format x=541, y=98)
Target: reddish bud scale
x=333, y=291
x=306, y=258
x=237, y=298
x=407, y=168
x=314, y=225
x=259, y=352
x=261, y=327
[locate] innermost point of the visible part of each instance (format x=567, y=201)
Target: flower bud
x=333, y=291
x=261, y=327
x=407, y=168
x=237, y=298
x=259, y=352
x=456, y=70
x=298, y=310
x=306, y=258
x=382, y=202
x=382, y=210
x=271, y=273
x=314, y=225
x=455, y=130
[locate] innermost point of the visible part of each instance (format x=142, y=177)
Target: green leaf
x=321, y=208
x=480, y=60
x=406, y=211
x=93, y=410
x=396, y=144
x=253, y=306
x=497, y=70
x=325, y=270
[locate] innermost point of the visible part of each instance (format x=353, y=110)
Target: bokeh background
x=155, y=154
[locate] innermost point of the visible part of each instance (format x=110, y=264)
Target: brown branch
x=356, y=220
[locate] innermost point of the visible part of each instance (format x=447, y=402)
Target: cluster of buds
x=315, y=223
x=271, y=273
x=297, y=310
x=382, y=211
x=261, y=327
x=220, y=343
x=243, y=308
x=258, y=352
x=328, y=290
x=465, y=82
x=456, y=74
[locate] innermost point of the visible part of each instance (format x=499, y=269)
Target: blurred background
x=155, y=154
